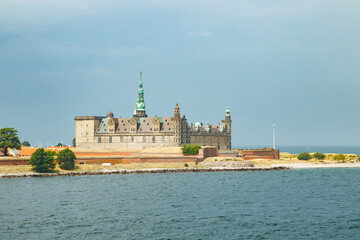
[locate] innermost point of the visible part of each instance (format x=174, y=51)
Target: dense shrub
x=190, y=149
x=304, y=156
x=318, y=156
x=66, y=159
x=339, y=157
x=42, y=161
x=26, y=143
x=186, y=165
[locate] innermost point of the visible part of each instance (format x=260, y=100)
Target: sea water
x=288, y=204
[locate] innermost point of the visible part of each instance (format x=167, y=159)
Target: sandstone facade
x=141, y=131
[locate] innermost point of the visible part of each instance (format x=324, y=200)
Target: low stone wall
x=109, y=159
x=126, y=157
x=231, y=154
x=114, y=161
x=16, y=162
x=250, y=154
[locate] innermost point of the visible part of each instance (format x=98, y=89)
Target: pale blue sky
x=295, y=63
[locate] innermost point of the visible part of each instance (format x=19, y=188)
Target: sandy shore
x=317, y=165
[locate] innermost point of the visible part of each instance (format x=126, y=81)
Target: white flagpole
x=274, y=136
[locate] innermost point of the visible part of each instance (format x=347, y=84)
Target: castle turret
x=177, y=125
x=177, y=111
x=140, y=103
x=227, y=124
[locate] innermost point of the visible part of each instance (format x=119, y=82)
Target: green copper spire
x=227, y=110
x=140, y=103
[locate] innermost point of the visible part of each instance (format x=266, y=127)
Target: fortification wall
x=260, y=154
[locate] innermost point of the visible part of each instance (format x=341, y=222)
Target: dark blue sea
x=288, y=204
x=311, y=149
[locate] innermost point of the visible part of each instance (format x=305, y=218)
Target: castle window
x=99, y=139
x=132, y=138
x=163, y=138
x=150, y=129
x=148, y=124
x=121, y=139
x=144, y=139
x=153, y=139
x=169, y=128
x=110, y=139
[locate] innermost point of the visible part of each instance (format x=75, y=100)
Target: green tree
x=9, y=139
x=59, y=144
x=339, y=157
x=304, y=156
x=190, y=149
x=26, y=143
x=66, y=159
x=42, y=161
x=318, y=156
x=74, y=142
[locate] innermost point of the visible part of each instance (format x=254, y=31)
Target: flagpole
x=274, y=136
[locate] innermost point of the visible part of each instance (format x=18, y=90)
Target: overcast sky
x=292, y=63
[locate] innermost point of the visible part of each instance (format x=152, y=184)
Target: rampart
x=266, y=153
x=124, y=157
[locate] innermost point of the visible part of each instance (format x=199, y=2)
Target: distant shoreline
x=272, y=167
x=142, y=171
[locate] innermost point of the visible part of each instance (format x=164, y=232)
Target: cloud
x=201, y=34
x=18, y=15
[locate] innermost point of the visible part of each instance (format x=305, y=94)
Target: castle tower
x=227, y=124
x=140, y=103
x=177, y=111
x=177, y=125
x=228, y=120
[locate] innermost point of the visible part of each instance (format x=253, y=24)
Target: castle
x=141, y=131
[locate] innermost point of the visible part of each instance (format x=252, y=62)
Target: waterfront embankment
x=142, y=171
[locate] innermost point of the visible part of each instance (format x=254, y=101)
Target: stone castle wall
x=222, y=141
x=127, y=141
